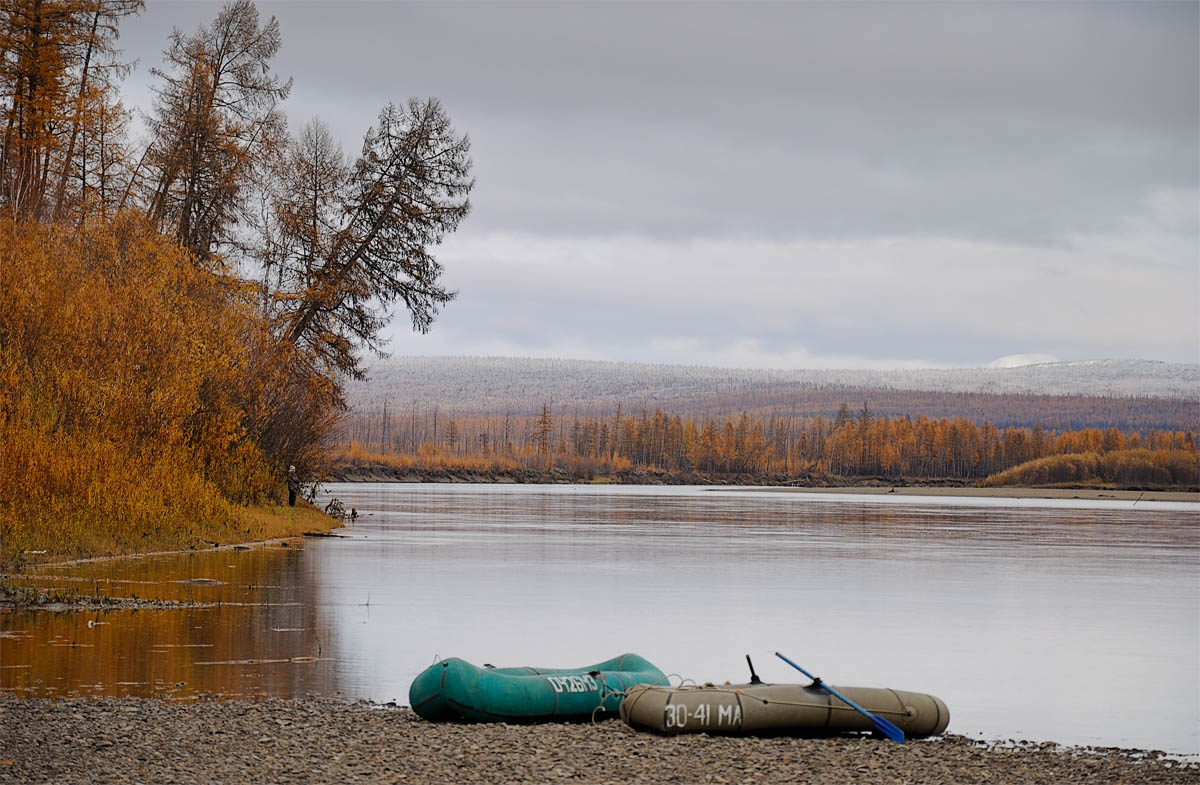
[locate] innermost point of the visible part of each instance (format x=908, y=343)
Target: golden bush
x=123, y=380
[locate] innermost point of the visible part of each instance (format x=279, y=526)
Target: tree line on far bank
x=179, y=313
x=851, y=444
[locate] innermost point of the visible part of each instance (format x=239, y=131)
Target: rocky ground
x=237, y=741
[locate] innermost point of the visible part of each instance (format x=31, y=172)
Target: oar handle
x=797, y=667
x=883, y=726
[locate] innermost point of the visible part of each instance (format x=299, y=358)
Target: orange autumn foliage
x=176, y=325
x=1123, y=468
x=749, y=448
x=123, y=391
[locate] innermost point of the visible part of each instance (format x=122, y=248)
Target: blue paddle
x=881, y=725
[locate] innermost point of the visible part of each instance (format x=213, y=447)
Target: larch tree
x=311, y=186
x=97, y=122
x=98, y=169
x=331, y=245
x=345, y=244
x=217, y=128
x=39, y=46
x=58, y=64
x=542, y=430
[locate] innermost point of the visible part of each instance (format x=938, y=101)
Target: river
x=1066, y=620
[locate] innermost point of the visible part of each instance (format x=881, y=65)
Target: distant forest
x=543, y=420
x=418, y=417
x=853, y=443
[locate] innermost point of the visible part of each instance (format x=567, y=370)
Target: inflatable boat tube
x=794, y=709
x=455, y=689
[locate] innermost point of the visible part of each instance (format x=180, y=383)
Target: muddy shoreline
x=322, y=741
x=31, y=598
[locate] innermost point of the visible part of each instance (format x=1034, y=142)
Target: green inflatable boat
x=455, y=689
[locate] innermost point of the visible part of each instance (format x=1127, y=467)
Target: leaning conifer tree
x=348, y=242
x=341, y=245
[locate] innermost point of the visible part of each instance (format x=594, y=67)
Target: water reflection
x=251, y=634
x=1029, y=619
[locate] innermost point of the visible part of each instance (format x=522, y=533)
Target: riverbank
x=321, y=741
x=246, y=526
x=379, y=472
x=812, y=483
x=1097, y=494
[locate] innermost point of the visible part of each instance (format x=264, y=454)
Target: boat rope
x=605, y=693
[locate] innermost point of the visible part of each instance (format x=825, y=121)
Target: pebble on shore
x=322, y=741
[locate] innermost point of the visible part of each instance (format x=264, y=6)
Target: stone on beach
x=323, y=741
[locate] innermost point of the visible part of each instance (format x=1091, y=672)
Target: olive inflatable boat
x=454, y=689
x=758, y=708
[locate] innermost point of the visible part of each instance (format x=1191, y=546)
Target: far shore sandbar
x=1099, y=494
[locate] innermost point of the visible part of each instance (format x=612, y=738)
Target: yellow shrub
x=122, y=392
x=1160, y=468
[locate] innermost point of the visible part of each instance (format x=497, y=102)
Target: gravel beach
x=238, y=741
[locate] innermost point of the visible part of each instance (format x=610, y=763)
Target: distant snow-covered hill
x=497, y=384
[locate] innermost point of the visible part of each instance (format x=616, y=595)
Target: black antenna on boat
x=753, y=676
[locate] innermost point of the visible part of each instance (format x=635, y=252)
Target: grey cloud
x=1021, y=122
x=1010, y=129
x=943, y=301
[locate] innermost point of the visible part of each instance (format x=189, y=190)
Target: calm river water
x=1071, y=621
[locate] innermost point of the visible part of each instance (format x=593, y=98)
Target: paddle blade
x=887, y=729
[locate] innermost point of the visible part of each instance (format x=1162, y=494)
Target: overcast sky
x=785, y=185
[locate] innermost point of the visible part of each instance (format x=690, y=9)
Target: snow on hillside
x=1019, y=360
x=495, y=383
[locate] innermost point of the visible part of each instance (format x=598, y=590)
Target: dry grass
x=268, y=522
x=1120, y=469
